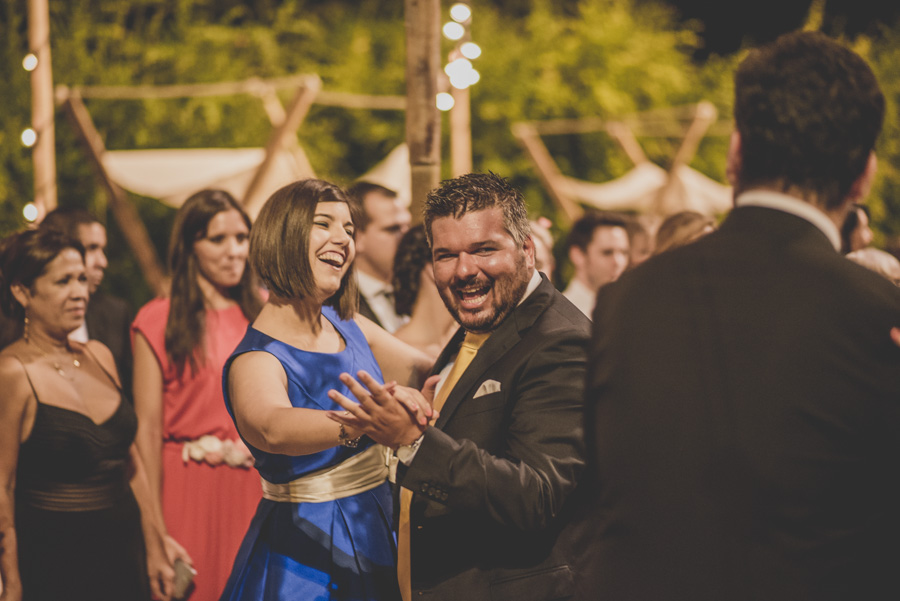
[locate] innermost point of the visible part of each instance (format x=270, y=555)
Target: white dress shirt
x=581, y=296
x=380, y=297
x=794, y=206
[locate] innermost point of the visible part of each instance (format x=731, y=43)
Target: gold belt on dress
x=364, y=471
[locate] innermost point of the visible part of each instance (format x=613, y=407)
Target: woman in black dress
x=76, y=520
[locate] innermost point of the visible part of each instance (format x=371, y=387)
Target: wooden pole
x=295, y=115
x=460, y=133
x=42, y=108
x=549, y=173
x=423, y=120
x=123, y=211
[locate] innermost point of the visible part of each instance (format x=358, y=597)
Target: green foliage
x=884, y=202
x=543, y=60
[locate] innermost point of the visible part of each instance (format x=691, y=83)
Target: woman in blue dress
x=323, y=528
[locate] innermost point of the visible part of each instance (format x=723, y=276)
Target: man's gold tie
x=467, y=352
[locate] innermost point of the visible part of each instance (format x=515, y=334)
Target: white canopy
x=171, y=175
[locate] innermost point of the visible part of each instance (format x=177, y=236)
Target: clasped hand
x=390, y=414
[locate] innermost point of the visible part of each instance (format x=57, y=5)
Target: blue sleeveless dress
x=342, y=549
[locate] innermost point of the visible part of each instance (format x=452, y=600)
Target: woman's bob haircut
x=279, y=244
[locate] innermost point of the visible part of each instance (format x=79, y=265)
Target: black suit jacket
x=366, y=310
x=493, y=516
x=109, y=321
x=744, y=406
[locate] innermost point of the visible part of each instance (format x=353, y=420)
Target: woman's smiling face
x=331, y=246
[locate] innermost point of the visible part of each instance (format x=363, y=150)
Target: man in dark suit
x=492, y=512
x=108, y=318
x=743, y=391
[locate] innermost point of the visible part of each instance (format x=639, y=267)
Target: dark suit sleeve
x=526, y=481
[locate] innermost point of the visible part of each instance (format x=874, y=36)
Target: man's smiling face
x=480, y=270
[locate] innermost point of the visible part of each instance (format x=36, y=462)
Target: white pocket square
x=487, y=387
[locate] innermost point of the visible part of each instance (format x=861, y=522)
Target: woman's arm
x=16, y=420
x=399, y=361
x=147, y=387
x=159, y=565
x=257, y=387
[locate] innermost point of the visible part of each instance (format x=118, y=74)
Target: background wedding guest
x=544, y=261
x=108, y=317
x=682, y=228
x=879, y=261
x=196, y=462
x=430, y=325
x=383, y=219
x=599, y=251
x=855, y=231
x=640, y=241
x=76, y=515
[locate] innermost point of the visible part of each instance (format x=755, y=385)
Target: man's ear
x=863, y=184
x=528, y=247
x=21, y=294
x=576, y=256
x=735, y=158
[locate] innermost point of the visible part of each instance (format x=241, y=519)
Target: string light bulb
x=444, y=101
x=30, y=62
x=30, y=212
x=29, y=137
x=470, y=50
x=460, y=12
x=453, y=31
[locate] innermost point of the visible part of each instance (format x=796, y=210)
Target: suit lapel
x=501, y=340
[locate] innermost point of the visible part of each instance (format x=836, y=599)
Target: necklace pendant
x=76, y=362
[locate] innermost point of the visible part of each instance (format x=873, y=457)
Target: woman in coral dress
x=193, y=454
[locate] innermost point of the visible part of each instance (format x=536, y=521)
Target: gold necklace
x=56, y=364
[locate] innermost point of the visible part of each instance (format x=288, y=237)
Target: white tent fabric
x=393, y=173
x=640, y=189
x=172, y=175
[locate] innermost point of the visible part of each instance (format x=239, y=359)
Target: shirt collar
x=794, y=206
x=533, y=283
x=371, y=287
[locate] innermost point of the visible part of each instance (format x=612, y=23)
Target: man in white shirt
x=743, y=393
x=383, y=218
x=599, y=250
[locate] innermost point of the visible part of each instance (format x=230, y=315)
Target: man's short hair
x=475, y=192
x=357, y=193
x=582, y=231
x=808, y=111
x=279, y=243
x=67, y=219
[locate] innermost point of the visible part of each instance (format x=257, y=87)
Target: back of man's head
x=808, y=111
x=582, y=231
x=67, y=219
x=476, y=192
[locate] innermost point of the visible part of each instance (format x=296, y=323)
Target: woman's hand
x=379, y=413
x=175, y=551
x=160, y=569
x=418, y=404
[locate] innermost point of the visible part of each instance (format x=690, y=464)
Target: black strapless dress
x=77, y=522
